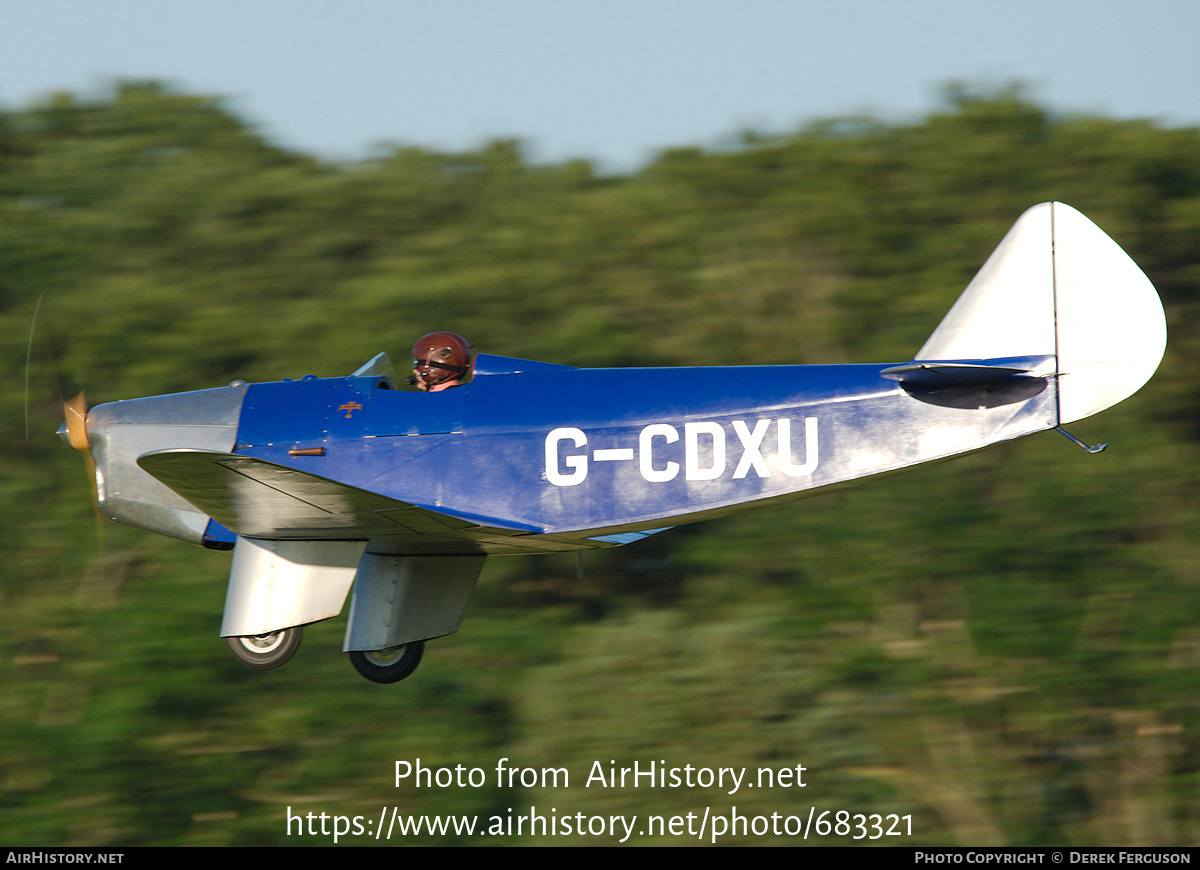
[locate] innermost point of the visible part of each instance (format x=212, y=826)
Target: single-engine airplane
x=333, y=487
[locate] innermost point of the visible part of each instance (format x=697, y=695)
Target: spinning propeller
x=74, y=432
x=75, y=411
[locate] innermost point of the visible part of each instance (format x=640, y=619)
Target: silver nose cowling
x=119, y=432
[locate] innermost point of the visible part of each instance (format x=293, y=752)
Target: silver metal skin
x=401, y=599
x=281, y=584
x=120, y=432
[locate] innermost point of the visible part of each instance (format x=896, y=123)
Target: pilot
x=441, y=360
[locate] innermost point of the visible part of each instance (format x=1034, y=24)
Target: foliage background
x=1005, y=647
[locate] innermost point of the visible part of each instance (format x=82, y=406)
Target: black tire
x=266, y=651
x=388, y=665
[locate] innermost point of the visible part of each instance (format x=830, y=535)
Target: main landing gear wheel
x=388, y=665
x=266, y=651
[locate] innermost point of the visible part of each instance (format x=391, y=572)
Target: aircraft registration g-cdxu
x=334, y=487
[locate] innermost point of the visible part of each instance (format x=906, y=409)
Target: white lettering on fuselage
x=704, y=452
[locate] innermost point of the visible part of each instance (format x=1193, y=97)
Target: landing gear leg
x=388, y=665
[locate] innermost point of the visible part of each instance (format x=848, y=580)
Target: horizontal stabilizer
x=955, y=373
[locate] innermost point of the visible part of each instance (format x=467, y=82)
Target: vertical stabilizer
x=1058, y=285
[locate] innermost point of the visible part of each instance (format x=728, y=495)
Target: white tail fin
x=1058, y=285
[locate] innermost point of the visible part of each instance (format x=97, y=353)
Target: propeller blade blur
x=75, y=410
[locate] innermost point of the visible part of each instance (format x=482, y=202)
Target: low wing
x=260, y=499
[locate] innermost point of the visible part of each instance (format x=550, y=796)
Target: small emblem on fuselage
x=349, y=408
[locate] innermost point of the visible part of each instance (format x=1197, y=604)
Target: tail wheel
x=266, y=651
x=388, y=665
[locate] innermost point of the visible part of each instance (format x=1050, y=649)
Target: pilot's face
x=431, y=370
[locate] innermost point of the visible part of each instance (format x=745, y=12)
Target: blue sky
x=610, y=80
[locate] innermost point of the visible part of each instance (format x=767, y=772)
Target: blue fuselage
x=594, y=453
